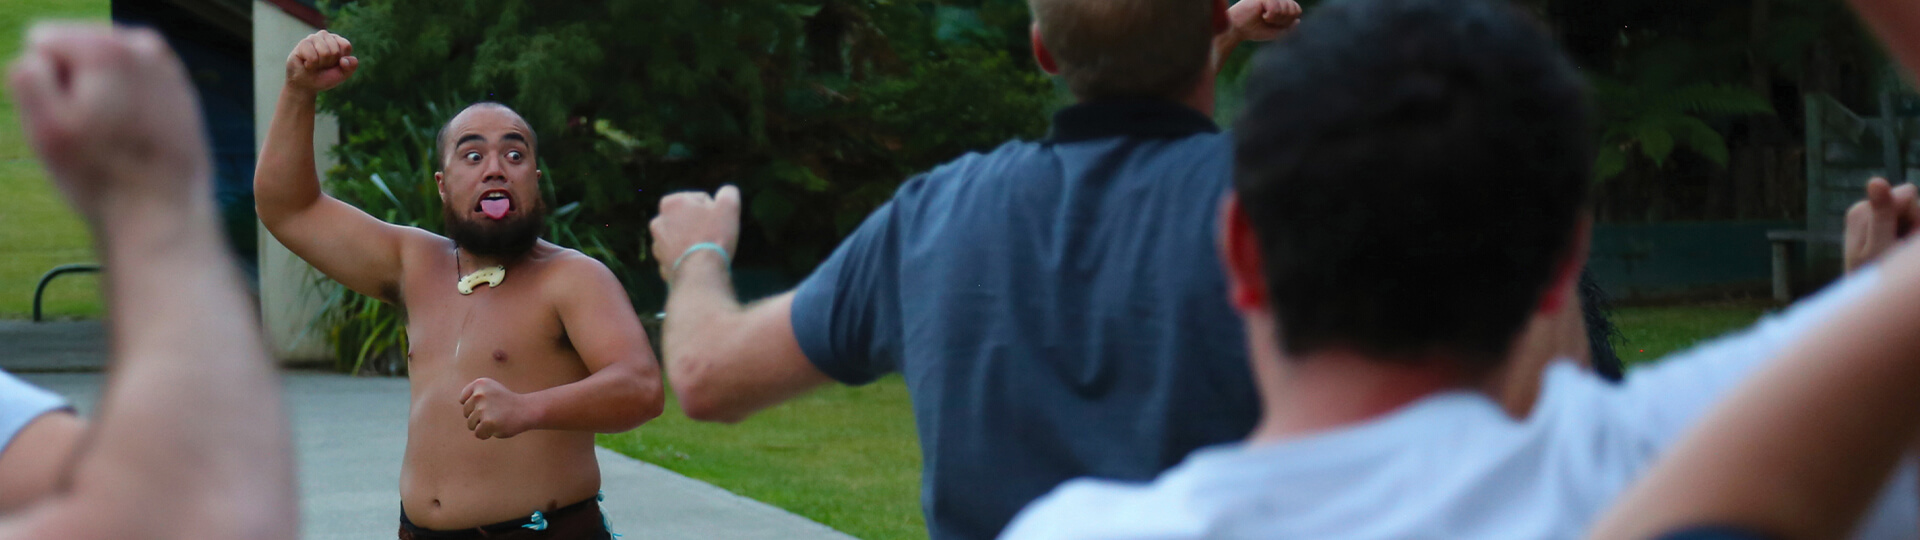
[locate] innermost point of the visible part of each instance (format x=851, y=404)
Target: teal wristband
x=703, y=246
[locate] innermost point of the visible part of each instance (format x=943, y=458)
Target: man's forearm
x=1801, y=450
x=191, y=415
x=1223, y=45
x=698, y=306
x=699, y=348
x=615, y=399
x=285, y=180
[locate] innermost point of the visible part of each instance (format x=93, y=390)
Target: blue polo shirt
x=1057, y=308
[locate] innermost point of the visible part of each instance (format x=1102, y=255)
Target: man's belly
x=451, y=480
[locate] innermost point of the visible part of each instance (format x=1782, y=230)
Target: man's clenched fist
x=320, y=62
x=1883, y=220
x=111, y=113
x=690, y=218
x=493, y=411
x=1262, y=20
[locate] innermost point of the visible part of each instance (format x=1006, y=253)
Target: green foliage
x=816, y=109
x=1679, y=76
x=1656, y=120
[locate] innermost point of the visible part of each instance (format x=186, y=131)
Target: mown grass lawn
x=1649, y=333
x=37, y=231
x=846, y=457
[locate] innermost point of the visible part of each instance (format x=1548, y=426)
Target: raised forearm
x=191, y=415
x=697, y=327
x=189, y=441
x=285, y=181
x=617, y=398
x=1223, y=45
x=698, y=344
x=1802, y=450
x=728, y=361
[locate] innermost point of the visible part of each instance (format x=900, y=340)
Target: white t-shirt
x=1454, y=465
x=20, y=404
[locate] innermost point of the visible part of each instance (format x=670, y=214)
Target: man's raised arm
x=726, y=361
x=341, y=241
x=1802, y=450
x=190, y=440
x=1253, y=20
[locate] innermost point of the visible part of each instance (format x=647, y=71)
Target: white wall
x=289, y=296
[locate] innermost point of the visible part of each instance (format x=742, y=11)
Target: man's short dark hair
x=440, y=151
x=1414, y=171
x=1108, y=49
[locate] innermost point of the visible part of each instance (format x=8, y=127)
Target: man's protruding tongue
x=496, y=208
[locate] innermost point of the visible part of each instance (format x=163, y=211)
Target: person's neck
x=1201, y=97
x=470, y=261
x=1332, y=389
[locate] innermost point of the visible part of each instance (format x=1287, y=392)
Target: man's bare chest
x=495, y=331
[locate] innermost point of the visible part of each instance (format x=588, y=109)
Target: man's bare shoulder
x=572, y=275
x=418, y=248
x=417, y=244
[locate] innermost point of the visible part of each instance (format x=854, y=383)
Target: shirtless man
x=520, y=350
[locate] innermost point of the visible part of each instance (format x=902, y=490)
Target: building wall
x=291, y=292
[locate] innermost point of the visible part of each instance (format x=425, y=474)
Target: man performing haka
x=519, y=350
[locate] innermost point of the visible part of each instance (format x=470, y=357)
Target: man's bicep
x=845, y=316
x=347, y=245
x=771, y=352
x=748, y=361
x=599, y=320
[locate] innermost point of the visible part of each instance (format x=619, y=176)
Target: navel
x=499, y=355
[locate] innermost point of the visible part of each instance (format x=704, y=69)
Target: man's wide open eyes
x=473, y=157
x=513, y=155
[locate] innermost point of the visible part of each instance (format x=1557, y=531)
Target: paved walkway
x=52, y=346
x=349, y=433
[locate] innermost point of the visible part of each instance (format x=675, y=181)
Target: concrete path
x=52, y=346
x=349, y=433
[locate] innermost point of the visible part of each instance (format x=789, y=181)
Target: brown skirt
x=577, y=521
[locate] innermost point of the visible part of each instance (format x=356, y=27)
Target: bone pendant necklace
x=492, y=276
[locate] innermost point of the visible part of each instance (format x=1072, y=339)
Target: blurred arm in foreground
x=190, y=440
x=1771, y=460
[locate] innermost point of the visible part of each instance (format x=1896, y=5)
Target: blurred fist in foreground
x=112, y=115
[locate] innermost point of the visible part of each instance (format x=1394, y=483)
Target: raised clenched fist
x=692, y=218
x=320, y=62
x=1262, y=20
x=1883, y=220
x=114, y=119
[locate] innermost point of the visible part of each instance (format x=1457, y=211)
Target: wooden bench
x=1783, y=256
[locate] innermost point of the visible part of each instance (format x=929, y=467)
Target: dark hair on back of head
x=440, y=151
x=1414, y=171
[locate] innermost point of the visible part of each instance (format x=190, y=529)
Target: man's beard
x=506, y=239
